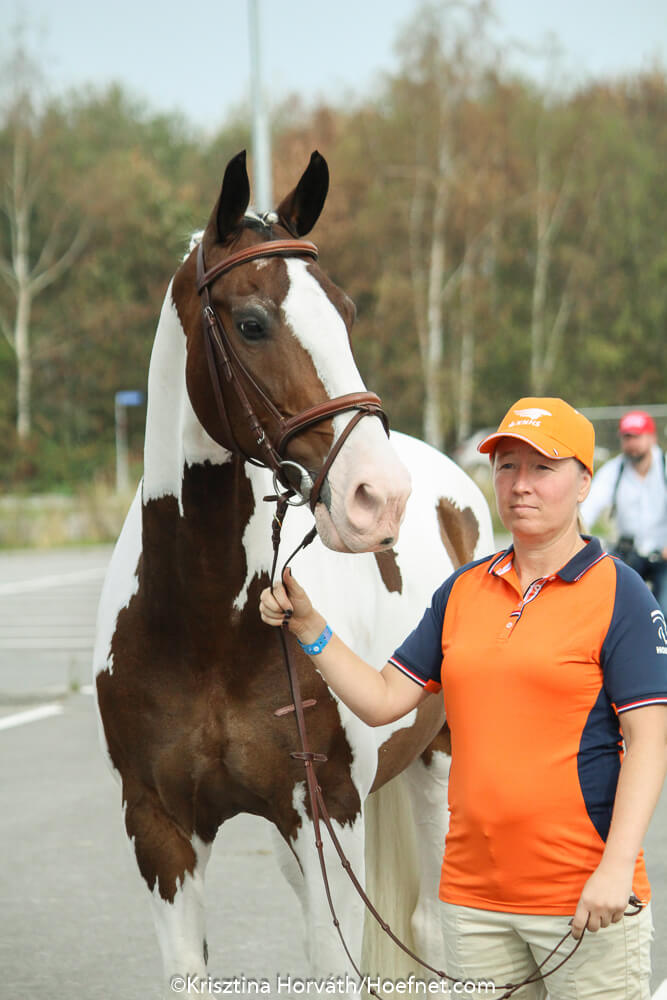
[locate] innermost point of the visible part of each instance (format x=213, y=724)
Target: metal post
x=122, y=469
x=261, y=136
x=123, y=399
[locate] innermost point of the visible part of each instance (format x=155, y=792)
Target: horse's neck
x=200, y=504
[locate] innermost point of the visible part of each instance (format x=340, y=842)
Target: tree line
x=499, y=237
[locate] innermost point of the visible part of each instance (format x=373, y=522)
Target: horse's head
x=268, y=344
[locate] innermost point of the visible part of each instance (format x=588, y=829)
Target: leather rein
x=221, y=355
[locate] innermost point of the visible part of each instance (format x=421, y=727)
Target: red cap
x=636, y=422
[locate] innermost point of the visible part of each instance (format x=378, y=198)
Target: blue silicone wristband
x=313, y=648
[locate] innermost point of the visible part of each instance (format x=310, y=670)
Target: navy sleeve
x=634, y=653
x=420, y=655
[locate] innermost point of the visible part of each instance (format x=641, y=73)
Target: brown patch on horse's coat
x=459, y=531
x=408, y=743
x=188, y=705
x=442, y=743
x=390, y=571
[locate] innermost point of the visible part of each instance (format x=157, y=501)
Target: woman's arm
x=605, y=895
x=376, y=697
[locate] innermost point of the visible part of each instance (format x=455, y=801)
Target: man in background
x=633, y=488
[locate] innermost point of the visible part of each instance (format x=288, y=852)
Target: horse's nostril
x=387, y=541
x=366, y=498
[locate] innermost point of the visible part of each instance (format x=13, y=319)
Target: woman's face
x=537, y=496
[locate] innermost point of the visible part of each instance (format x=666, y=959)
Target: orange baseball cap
x=550, y=425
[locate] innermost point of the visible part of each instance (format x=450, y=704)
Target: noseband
x=220, y=354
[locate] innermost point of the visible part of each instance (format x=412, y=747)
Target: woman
x=548, y=654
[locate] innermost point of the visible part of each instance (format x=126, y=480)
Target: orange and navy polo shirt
x=534, y=684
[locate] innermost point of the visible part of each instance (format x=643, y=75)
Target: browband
x=272, y=248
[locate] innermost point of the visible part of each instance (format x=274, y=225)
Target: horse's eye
x=251, y=329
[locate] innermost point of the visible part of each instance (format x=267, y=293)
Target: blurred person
x=548, y=654
x=632, y=487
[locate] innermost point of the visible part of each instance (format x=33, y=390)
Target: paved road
x=48, y=602
x=74, y=919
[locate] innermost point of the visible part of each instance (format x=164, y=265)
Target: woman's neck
x=534, y=560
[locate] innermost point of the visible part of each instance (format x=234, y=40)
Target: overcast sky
x=194, y=57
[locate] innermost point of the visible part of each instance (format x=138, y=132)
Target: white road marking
x=30, y=715
x=54, y=580
x=66, y=642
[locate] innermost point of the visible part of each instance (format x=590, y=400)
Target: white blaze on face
x=369, y=485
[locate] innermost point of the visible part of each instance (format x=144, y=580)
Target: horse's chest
x=196, y=719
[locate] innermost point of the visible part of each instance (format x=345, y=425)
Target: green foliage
x=144, y=182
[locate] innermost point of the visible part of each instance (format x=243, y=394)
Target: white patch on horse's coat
x=174, y=435
x=180, y=925
x=319, y=328
x=120, y=585
x=366, y=457
x=163, y=448
x=257, y=532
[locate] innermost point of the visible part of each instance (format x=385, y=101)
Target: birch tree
x=561, y=191
x=448, y=64
x=41, y=244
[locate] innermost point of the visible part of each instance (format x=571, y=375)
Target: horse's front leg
x=173, y=868
x=325, y=952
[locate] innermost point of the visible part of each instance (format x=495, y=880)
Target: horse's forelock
x=265, y=219
x=262, y=221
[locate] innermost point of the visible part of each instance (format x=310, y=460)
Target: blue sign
x=129, y=397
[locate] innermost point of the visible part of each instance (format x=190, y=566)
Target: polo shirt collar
x=571, y=571
x=582, y=561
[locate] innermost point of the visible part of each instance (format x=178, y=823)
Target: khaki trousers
x=613, y=963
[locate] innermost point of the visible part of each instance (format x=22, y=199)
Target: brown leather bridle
x=220, y=354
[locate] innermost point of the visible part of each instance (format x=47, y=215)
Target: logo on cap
x=531, y=416
x=636, y=423
x=534, y=413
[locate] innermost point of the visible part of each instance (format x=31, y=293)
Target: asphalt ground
x=74, y=915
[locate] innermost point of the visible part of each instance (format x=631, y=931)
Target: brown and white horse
x=187, y=677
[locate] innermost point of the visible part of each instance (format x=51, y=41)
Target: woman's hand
x=603, y=901
x=376, y=697
x=290, y=602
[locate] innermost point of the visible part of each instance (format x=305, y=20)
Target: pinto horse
x=188, y=679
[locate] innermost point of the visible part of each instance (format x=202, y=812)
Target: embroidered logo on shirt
x=658, y=620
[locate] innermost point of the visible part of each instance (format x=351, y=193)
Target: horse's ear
x=233, y=200
x=300, y=210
